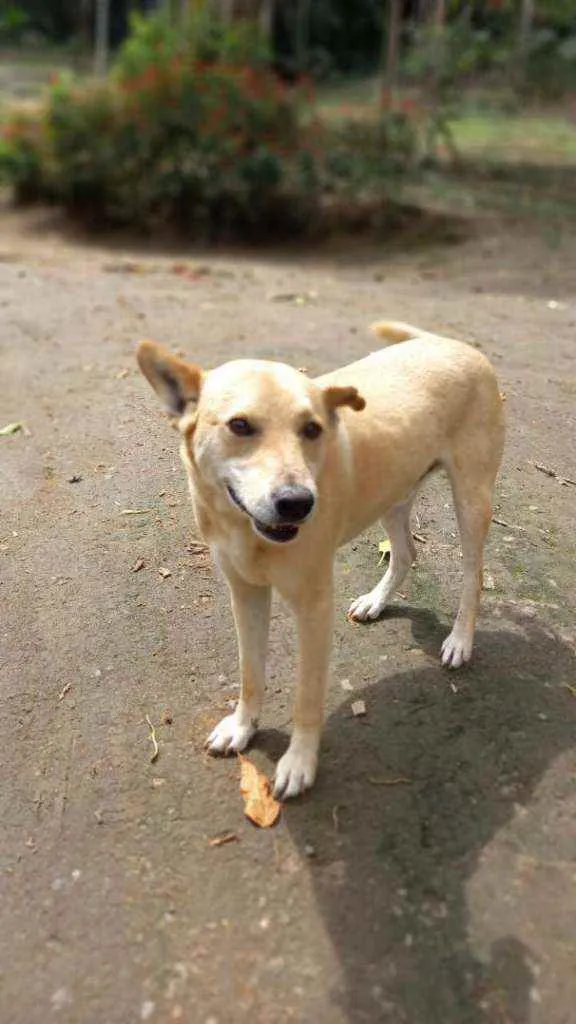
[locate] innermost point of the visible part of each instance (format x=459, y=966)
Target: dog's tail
x=394, y=331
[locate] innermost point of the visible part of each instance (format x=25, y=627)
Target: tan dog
x=284, y=469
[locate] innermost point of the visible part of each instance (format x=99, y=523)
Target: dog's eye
x=241, y=427
x=312, y=430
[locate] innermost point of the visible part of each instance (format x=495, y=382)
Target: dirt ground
x=429, y=878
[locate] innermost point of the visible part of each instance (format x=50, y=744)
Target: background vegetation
x=253, y=116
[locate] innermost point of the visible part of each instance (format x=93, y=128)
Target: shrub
x=194, y=144
x=21, y=157
x=156, y=40
x=13, y=23
x=369, y=156
x=208, y=146
x=549, y=68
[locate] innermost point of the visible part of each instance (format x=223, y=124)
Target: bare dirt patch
x=447, y=896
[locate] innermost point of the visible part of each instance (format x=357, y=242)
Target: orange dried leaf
x=259, y=804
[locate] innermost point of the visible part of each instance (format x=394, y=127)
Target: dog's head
x=255, y=431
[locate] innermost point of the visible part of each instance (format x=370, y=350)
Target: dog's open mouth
x=280, y=534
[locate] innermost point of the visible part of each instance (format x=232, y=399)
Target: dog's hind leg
x=402, y=555
x=251, y=608
x=472, y=466
x=473, y=500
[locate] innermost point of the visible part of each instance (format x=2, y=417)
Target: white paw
x=456, y=649
x=232, y=734
x=296, y=771
x=368, y=606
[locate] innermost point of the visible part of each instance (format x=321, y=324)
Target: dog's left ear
x=178, y=383
x=335, y=396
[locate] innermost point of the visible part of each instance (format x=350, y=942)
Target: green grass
x=518, y=162
x=483, y=129
x=541, y=139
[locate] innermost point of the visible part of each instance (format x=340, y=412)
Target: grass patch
x=544, y=140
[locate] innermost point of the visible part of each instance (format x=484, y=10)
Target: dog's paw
x=456, y=649
x=296, y=771
x=231, y=735
x=368, y=606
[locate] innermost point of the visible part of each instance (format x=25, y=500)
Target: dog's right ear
x=178, y=383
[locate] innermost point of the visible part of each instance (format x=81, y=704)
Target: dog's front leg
x=296, y=770
x=251, y=608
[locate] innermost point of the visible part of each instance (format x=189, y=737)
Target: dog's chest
x=248, y=557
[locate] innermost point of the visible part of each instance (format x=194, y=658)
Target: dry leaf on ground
x=11, y=428
x=259, y=804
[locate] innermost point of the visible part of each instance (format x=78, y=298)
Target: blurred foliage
x=327, y=37
x=157, y=39
x=13, y=22
x=196, y=127
x=181, y=136
x=56, y=20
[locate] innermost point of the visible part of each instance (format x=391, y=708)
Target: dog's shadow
x=407, y=799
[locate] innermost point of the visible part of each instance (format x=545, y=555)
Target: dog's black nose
x=293, y=504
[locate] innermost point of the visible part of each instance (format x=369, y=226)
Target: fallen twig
x=507, y=526
x=154, y=741
x=227, y=837
x=563, y=480
x=64, y=691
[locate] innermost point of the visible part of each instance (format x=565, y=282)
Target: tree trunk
x=101, y=37
x=439, y=15
x=266, y=19
x=390, y=41
x=303, y=11
x=527, y=10
x=223, y=10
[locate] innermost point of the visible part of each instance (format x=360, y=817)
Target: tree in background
x=532, y=42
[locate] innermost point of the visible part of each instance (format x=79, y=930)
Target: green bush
x=212, y=148
x=193, y=144
x=368, y=156
x=21, y=155
x=157, y=40
x=13, y=23
x=549, y=67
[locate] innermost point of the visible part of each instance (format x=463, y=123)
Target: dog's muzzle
x=292, y=506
